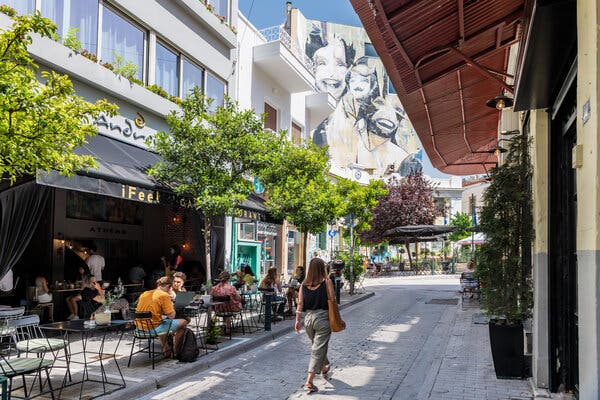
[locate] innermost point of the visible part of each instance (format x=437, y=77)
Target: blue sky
x=266, y=13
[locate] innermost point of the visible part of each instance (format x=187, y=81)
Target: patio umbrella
x=478, y=238
x=415, y=231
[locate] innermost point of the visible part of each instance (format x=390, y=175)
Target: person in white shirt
x=96, y=263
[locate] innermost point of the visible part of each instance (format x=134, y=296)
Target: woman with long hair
x=272, y=282
x=312, y=299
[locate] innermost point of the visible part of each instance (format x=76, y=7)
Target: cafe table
x=86, y=356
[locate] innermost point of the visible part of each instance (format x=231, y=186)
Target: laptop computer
x=183, y=299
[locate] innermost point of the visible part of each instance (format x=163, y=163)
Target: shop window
x=120, y=38
x=81, y=15
x=167, y=70
x=21, y=6
x=103, y=209
x=247, y=231
x=215, y=89
x=270, y=118
x=192, y=76
x=296, y=133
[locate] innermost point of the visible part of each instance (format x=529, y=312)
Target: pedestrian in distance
x=312, y=299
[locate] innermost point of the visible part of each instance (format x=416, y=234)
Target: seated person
x=224, y=288
x=92, y=296
x=249, y=277
x=387, y=265
x=137, y=274
x=43, y=293
x=239, y=278
x=294, y=283
x=467, y=278
x=177, y=285
x=73, y=299
x=159, y=304
x=272, y=282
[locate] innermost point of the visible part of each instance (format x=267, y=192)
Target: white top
x=96, y=264
x=6, y=284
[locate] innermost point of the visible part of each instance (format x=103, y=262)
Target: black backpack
x=188, y=347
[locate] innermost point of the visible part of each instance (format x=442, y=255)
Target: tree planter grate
x=443, y=301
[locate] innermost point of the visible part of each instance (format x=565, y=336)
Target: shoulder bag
x=335, y=319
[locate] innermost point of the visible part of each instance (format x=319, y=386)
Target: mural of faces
x=330, y=68
x=383, y=117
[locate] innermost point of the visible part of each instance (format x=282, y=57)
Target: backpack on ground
x=188, y=347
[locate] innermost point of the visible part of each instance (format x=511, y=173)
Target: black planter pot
x=507, y=350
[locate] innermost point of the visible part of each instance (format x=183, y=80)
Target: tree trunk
x=207, y=231
x=407, y=244
x=306, y=258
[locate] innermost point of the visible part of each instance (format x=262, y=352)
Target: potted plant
x=103, y=313
x=213, y=334
x=503, y=264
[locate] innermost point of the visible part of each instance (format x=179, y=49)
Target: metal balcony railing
x=277, y=33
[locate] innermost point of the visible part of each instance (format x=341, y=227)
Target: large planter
x=507, y=350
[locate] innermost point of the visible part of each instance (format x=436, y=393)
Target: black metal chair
x=145, y=332
x=227, y=313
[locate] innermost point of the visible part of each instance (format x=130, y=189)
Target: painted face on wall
x=359, y=85
x=330, y=68
x=384, y=119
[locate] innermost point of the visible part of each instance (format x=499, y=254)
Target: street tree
x=408, y=202
x=357, y=203
x=298, y=188
x=41, y=120
x=210, y=155
x=463, y=222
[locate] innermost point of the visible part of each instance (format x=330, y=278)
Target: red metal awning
x=446, y=58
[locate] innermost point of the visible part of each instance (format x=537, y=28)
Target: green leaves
x=40, y=122
x=463, y=222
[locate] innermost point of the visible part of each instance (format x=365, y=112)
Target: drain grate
x=443, y=301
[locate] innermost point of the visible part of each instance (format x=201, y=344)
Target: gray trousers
x=316, y=323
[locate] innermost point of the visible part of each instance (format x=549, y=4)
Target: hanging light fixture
x=500, y=102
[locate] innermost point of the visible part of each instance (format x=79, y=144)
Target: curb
x=205, y=362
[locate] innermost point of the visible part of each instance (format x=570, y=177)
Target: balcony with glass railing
x=284, y=60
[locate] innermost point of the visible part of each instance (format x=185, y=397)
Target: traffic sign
x=332, y=232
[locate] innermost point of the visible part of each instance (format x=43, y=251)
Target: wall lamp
x=500, y=102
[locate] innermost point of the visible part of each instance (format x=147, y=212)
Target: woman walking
x=312, y=299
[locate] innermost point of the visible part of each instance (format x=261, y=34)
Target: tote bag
x=335, y=319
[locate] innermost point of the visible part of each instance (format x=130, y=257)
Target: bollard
x=432, y=267
x=337, y=286
x=453, y=266
x=268, y=301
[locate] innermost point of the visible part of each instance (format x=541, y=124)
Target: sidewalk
x=140, y=379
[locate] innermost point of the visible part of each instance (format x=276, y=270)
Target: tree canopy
x=211, y=155
x=409, y=202
x=41, y=120
x=463, y=222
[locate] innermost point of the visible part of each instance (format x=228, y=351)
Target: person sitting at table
x=43, y=293
x=137, y=274
x=294, y=286
x=177, y=285
x=224, y=288
x=92, y=296
x=75, y=298
x=239, y=278
x=249, y=277
x=272, y=282
x=158, y=303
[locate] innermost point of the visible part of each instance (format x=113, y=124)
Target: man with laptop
x=160, y=305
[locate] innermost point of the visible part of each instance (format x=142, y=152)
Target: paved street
x=399, y=344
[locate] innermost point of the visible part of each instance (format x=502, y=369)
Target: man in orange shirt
x=159, y=303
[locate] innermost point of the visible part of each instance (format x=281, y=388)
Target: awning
x=121, y=172
x=418, y=231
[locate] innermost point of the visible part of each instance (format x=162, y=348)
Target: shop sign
x=134, y=131
x=135, y=193
x=253, y=215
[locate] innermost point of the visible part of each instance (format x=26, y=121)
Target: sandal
x=325, y=372
x=310, y=388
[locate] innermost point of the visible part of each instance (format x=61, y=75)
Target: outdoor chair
x=225, y=312
x=8, y=336
x=11, y=368
x=145, y=333
x=275, y=304
x=469, y=286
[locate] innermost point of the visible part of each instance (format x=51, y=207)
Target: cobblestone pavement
x=398, y=345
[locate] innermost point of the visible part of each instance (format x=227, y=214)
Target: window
x=192, y=77
x=21, y=6
x=270, y=118
x=122, y=39
x=247, y=231
x=370, y=50
x=391, y=89
x=167, y=70
x=81, y=15
x=296, y=133
x=221, y=7
x=215, y=89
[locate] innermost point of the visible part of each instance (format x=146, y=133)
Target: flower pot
x=507, y=350
x=103, y=318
